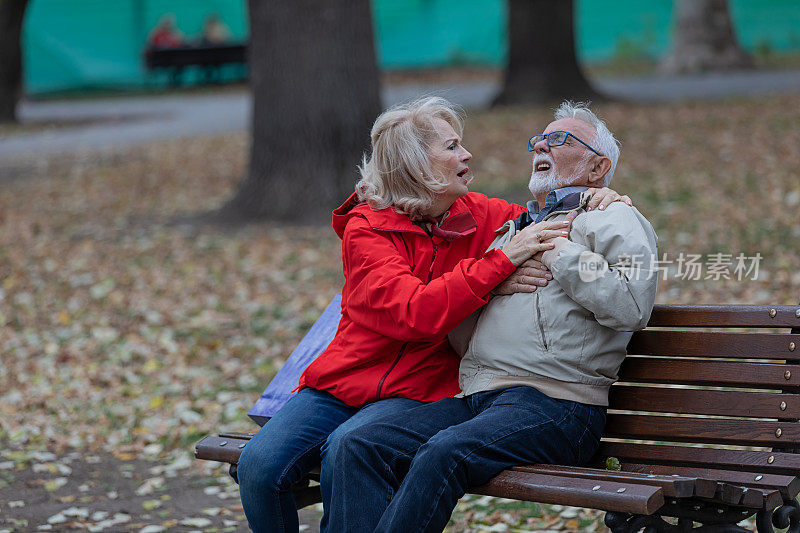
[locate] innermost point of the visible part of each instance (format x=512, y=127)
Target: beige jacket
x=567, y=339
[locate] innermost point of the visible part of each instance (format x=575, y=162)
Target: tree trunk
x=542, y=65
x=315, y=95
x=704, y=39
x=12, y=13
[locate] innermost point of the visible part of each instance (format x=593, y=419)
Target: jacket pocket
x=540, y=321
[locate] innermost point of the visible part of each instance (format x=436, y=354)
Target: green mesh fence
x=98, y=43
x=630, y=29
x=425, y=33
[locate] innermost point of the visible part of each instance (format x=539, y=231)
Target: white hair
x=603, y=141
x=399, y=171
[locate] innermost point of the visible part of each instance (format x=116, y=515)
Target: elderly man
x=536, y=368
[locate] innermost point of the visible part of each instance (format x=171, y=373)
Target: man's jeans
x=406, y=472
x=305, y=431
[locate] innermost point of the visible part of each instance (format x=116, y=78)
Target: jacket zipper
x=539, y=321
x=403, y=347
x=433, y=260
x=396, y=360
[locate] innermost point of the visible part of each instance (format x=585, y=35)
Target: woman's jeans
x=303, y=433
x=406, y=472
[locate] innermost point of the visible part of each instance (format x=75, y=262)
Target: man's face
x=560, y=166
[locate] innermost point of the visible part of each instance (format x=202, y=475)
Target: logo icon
x=591, y=266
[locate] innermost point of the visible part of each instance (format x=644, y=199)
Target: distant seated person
x=165, y=34
x=215, y=32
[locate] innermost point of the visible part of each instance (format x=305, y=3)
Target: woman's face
x=450, y=159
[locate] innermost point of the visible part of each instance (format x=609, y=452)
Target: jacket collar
x=558, y=202
x=458, y=223
x=555, y=197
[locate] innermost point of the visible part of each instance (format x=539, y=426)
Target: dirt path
x=40, y=491
x=108, y=123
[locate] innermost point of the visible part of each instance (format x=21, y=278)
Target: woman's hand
x=530, y=275
x=603, y=197
x=536, y=238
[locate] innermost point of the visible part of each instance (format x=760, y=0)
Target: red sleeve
x=384, y=295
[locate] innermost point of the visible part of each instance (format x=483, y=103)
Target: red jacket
x=403, y=292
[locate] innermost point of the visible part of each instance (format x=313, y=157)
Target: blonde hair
x=399, y=171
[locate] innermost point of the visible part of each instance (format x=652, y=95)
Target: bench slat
x=729, y=494
x=739, y=496
x=196, y=55
x=729, y=316
x=243, y=436
x=210, y=449
x=707, y=372
x=674, y=487
x=609, y=496
x=740, y=460
x=746, y=497
x=519, y=485
x=704, y=402
x=714, y=344
x=788, y=486
x=702, y=430
x=770, y=498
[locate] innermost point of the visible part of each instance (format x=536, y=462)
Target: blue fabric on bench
x=285, y=381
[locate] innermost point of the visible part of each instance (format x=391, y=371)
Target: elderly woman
x=414, y=257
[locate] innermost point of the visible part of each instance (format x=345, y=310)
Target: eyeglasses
x=556, y=138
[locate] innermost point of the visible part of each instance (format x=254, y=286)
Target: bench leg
x=785, y=516
x=305, y=496
x=175, y=76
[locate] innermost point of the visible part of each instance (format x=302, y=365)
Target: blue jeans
x=303, y=434
x=406, y=472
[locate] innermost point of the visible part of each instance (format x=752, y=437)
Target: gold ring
x=538, y=237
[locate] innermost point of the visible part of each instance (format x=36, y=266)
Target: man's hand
x=526, y=278
x=603, y=197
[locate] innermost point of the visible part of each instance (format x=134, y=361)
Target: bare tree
x=542, y=65
x=12, y=13
x=315, y=95
x=704, y=39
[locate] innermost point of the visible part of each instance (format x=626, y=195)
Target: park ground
x=127, y=334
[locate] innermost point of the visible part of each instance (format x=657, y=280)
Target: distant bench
x=702, y=426
x=209, y=58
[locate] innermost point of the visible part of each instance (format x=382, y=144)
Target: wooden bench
x=209, y=58
x=702, y=427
